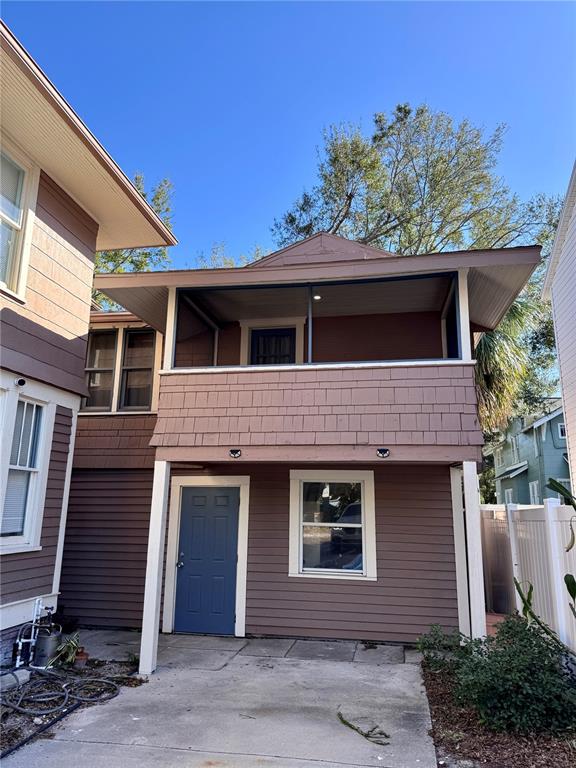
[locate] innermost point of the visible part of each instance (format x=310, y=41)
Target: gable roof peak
x=320, y=248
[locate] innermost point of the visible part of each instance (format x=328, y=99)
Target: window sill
x=338, y=576
x=15, y=548
x=17, y=297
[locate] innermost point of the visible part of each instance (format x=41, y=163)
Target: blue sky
x=229, y=100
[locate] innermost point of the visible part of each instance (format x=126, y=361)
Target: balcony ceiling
x=495, y=278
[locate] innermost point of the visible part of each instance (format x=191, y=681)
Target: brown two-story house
x=62, y=199
x=304, y=461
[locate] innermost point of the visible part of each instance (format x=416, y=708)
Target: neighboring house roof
x=561, y=232
x=543, y=419
x=38, y=118
x=513, y=471
x=495, y=276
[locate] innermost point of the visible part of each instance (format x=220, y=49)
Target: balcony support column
x=464, y=316
x=474, y=549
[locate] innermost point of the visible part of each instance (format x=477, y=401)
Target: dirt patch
x=16, y=728
x=459, y=735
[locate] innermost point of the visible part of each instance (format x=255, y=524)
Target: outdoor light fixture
x=316, y=297
x=382, y=453
x=235, y=453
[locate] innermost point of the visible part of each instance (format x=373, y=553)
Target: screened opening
x=100, y=370
x=137, y=370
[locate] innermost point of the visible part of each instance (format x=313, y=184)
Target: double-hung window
x=534, y=488
x=332, y=525
x=137, y=370
x=23, y=473
x=120, y=370
x=100, y=370
x=515, y=449
x=11, y=219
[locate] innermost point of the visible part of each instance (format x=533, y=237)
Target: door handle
x=180, y=563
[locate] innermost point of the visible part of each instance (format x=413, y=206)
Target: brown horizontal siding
x=416, y=584
x=46, y=337
x=406, y=336
x=114, y=442
x=430, y=406
x=104, y=564
x=30, y=574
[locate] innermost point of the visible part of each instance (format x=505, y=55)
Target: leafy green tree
x=218, y=258
x=420, y=184
x=140, y=259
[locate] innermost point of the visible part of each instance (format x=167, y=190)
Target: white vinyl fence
x=529, y=542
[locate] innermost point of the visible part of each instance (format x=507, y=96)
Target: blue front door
x=207, y=553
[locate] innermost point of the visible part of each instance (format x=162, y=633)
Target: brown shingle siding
x=114, y=442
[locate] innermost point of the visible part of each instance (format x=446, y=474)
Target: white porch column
x=474, y=549
x=170, y=335
x=154, y=566
x=464, y=315
x=460, y=550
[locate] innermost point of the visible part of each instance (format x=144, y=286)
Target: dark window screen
x=272, y=346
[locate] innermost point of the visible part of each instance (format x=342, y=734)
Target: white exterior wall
x=561, y=288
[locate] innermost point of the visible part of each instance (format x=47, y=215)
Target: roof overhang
x=513, y=471
x=37, y=118
x=544, y=419
x=495, y=278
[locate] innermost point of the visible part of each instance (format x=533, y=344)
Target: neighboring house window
x=137, y=370
x=515, y=451
x=509, y=496
x=120, y=370
x=100, y=370
x=534, y=487
x=332, y=524
x=18, y=189
x=272, y=346
x=498, y=458
x=27, y=425
x=562, y=431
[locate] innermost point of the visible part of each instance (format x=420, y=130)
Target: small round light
x=317, y=297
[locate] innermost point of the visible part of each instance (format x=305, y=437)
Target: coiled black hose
x=51, y=692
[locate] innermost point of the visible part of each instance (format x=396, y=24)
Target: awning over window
x=511, y=472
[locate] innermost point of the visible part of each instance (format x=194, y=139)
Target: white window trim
x=30, y=539
x=117, y=373
x=246, y=327
x=509, y=496
x=561, y=426
x=29, y=198
x=534, y=490
x=242, y=482
x=498, y=458
x=535, y=440
x=366, y=477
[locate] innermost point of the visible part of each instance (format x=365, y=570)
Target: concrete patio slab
x=254, y=711
x=379, y=654
x=204, y=642
x=193, y=658
x=322, y=649
x=273, y=646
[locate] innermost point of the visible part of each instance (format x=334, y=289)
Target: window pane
x=14, y=512
x=102, y=349
x=35, y=436
x=272, y=346
x=337, y=548
x=100, y=389
x=26, y=435
x=11, y=180
x=136, y=389
x=8, y=237
x=17, y=432
x=332, y=503
x=139, y=349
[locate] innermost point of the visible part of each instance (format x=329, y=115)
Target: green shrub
x=439, y=648
x=517, y=680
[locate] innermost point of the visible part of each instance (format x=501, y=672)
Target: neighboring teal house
x=533, y=450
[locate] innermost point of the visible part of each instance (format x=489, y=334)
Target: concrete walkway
x=235, y=703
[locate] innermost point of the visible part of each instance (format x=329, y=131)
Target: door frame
x=242, y=482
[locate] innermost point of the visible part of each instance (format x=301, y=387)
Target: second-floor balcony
x=324, y=351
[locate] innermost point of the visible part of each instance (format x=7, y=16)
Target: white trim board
x=212, y=369
x=242, y=482
x=19, y=612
